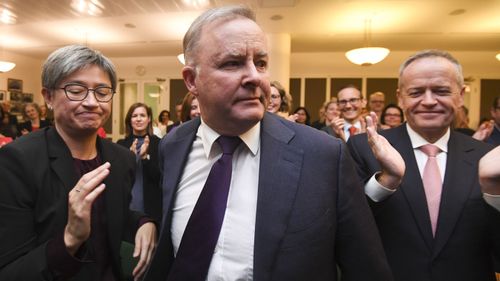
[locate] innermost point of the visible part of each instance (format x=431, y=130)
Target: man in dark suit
x=433, y=221
x=494, y=138
x=295, y=207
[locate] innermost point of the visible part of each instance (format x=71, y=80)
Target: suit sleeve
x=360, y=254
x=22, y=256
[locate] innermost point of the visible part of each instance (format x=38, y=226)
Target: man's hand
x=391, y=162
x=145, y=244
x=489, y=172
x=338, y=127
x=80, y=200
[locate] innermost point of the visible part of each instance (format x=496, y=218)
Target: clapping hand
x=391, y=162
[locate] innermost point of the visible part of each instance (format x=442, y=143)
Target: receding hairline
x=216, y=15
x=432, y=54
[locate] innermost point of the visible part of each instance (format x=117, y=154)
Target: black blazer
x=151, y=177
x=311, y=211
x=468, y=230
x=36, y=173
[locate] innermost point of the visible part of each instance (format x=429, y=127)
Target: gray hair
x=193, y=35
x=429, y=54
x=65, y=61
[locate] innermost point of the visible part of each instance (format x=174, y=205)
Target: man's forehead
x=349, y=92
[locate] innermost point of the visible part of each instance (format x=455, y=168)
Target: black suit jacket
x=150, y=177
x=311, y=211
x=468, y=228
x=36, y=173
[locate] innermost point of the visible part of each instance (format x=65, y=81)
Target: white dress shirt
x=377, y=192
x=348, y=125
x=233, y=254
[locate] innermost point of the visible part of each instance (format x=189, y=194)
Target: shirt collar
x=250, y=138
x=418, y=141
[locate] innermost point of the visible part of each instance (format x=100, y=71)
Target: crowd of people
x=243, y=188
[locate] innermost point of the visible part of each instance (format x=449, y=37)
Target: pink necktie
x=432, y=183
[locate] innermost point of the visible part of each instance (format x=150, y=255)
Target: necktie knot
x=352, y=130
x=228, y=144
x=430, y=150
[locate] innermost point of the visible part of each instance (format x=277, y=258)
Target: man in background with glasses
x=351, y=105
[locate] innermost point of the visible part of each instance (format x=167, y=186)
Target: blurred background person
x=6, y=128
x=178, y=110
x=31, y=114
x=7, y=134
x=303, y=116
x=376, y=103
x=139, y=138
x=494, y=137
x=6, y=106
x=461, y=123
x=280, y=102
x=321, y=122
x=332, y=116
x=391, y=117
x=45, y=114
x=64, y=201
x=163, y=122
x=190, y=108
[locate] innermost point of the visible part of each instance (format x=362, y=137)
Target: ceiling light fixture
x=6, y=66
x=180, y=57
x=8, y=17
x=367, y=55
x=196, y=3
x=90, y=7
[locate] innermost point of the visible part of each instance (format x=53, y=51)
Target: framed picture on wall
x=27, y=97
x=14, y=85
x=3, y=95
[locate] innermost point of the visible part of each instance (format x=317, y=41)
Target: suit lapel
x=456, y=190
x=412, y=186
x=61, y=160
x=280, y=168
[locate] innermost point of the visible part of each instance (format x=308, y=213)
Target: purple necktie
x=202, y=231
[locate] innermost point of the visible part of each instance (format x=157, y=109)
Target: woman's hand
x=145, y=244
x=80, y=200
x=143, y=152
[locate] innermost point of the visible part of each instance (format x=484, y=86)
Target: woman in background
x=190, y=108
x=391, y=117
x=32, y=115
x=303, y=116
x=280, y=102
x=139, y=138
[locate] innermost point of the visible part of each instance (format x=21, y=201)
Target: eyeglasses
x=351, y=101
x=392, y=115
x=77, y=92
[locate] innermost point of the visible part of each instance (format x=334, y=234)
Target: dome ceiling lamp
x=367, y=55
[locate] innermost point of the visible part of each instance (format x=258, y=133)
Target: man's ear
x=189, y=75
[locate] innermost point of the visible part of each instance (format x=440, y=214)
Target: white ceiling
x=314, y=25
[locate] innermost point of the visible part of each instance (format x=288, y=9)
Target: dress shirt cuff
x=376, y=191
x=493, y=200
x=60, y=262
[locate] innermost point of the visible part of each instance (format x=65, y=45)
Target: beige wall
x=302, y=65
